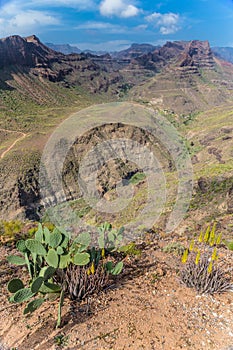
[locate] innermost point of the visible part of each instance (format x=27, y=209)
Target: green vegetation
x=175, y=248
x=61, y=340
x=57, y=264
x=228, y=244
x=136, y=178
x=10, y=229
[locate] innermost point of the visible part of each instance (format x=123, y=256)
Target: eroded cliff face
x=112, y=153
x=192, y=55
x=20, y=190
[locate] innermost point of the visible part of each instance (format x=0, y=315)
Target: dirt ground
x=146, y=308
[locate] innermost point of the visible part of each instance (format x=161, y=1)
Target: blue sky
x=115, y=24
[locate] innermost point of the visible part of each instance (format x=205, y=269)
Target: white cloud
x=129, y=11
x=25, y=23
x=32, y=19
x=168, y=23
x=141, y=27
x=16, y=18
x=102, y=26
x=118, y=8
x=95, y=25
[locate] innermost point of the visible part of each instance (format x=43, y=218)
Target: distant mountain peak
x=63, y=48
x=224, y=53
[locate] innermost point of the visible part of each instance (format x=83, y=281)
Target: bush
x=9, y=230
x=204, y=279
x=201, y=270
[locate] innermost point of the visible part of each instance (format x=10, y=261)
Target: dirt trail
x=23, y=135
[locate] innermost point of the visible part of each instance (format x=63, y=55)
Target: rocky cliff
x=28, y=52
x=191, y=54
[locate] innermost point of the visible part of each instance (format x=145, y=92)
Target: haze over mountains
x=39, y=86
x=225, y=53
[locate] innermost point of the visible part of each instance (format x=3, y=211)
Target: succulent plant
x=35, y=246
x=16, y=260
x=81, y=259
x=55, y=239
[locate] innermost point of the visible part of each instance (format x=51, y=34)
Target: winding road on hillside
x=23, y=135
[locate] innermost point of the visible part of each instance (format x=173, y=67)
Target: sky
x=113, y=25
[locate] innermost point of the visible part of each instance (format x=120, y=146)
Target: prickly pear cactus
x=39, y=235
x=16, y=260
x=55, y=239
x=47, y=272
x=20, y=245
x=64, y=261
x=81, y=259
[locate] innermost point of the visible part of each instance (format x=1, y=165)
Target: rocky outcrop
x=197, y=55
x=28, y=52
x=182, y=55
x=19, y=188
x=64, y=48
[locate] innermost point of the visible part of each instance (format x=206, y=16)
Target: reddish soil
x=148, y=308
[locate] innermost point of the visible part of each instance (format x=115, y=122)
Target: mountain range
x=135, y=50
x=27, y=63
x=40, y=87
x=226, y=53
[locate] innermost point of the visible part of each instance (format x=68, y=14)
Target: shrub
x=174, y=247
x=201, y=270
x=9, y=230
x=204, y=279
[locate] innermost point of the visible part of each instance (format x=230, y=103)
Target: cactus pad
x=33, y=305
x=52, y=258
x=14, y=285
x=22, y=295
x=16, y=260
x=35, y=247
x=81, y=259
x=36, y=284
